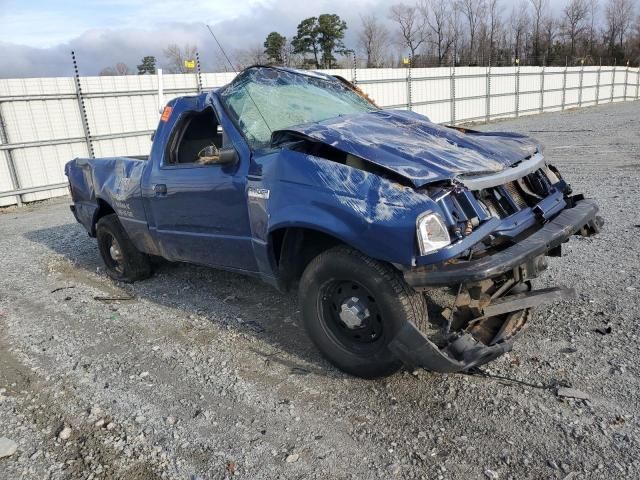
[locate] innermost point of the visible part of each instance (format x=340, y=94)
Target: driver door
x=198, y=208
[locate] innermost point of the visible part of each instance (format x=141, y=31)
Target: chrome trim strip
x=505, y=176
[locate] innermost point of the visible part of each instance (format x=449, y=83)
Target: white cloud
x=126, y=30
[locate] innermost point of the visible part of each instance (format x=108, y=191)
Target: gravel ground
x=198, y=374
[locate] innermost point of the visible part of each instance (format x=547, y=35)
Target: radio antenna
x=221, y=49
x=236, y=71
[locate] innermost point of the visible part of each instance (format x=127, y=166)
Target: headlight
x=432, y=233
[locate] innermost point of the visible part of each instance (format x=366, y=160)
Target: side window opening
x=196, y=132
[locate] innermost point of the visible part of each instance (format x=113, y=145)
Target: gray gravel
x=198, y=374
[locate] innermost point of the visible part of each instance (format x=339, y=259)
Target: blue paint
x=410, y=145
x=207, y=217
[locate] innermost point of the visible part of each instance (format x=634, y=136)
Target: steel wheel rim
x=113, y=254
x=351, y=315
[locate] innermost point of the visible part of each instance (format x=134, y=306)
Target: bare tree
x=618, y=15
x=412, y=26
x=119, y=69
x=635, y=45
x=574, y=23
x=253, y=55
x=493, y=25
x=437, y=16
x=539, y=9
x=373, y=39
x=291, y=58
x=549, y=33
x=457, y=31
x=518, y=23
x=593, y=10
x=473, y=10
x=122, y=69
x=177, y=55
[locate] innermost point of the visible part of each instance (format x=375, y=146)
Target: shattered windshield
x=263, y=100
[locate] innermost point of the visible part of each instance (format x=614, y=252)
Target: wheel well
x=103, y=209
x=292, y=250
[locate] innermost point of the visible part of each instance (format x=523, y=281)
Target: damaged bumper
x=505, y=316
x=412, y=347
x=579, y=219
x=463, y=350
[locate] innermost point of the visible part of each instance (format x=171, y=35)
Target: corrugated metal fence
x=44, y=122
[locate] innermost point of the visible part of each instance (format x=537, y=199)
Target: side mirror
x=210, y=155
x=227, y=156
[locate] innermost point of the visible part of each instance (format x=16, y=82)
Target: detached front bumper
x=463, y=350
x=580, y=218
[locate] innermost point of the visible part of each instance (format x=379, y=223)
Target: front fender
x=361, y=209
x=313, y=217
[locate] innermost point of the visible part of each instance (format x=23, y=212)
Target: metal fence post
x=626, y=81
x=542, y=90
x=613, y=83
x=10, y=161
x=355, y=68
x=598, y=84
x=488, y=100
x=160, y=91
x=82, y=108
x=580, y=83
x=198, y=73
x=638, y=84
x=452, y=93
x=564, y=86
x=517, y=112
x=409, y=84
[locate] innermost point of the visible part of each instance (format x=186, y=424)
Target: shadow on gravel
x=242, y=303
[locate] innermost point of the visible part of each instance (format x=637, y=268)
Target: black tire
x=384, y=300
x=124, y=262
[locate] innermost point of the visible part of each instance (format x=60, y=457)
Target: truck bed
x=113, y=180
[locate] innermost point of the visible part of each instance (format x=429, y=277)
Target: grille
x=509, y=198
x=516, y=196
x=493, y=207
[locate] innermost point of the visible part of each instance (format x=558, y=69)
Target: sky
x=37, y=36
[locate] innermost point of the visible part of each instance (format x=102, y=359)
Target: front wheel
x=352, y=307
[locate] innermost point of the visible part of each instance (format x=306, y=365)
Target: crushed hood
x=410, y=145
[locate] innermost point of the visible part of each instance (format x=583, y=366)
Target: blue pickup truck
x=409, y=242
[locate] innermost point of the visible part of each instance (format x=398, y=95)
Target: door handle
x=160, y=189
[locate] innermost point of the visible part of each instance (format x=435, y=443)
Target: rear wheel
x=353, y=306
x=123, y=261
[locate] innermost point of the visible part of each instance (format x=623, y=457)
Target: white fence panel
x=6, y=184
x=589, y=85
x=44, y=165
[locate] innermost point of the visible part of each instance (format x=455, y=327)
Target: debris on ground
x=65, y=433
x=606, y=330
x=567, y=392
x=568, y=350
x=292, y=458
x=491, y=475
x=118, y=298
x=62, y=288
x=7, y=447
